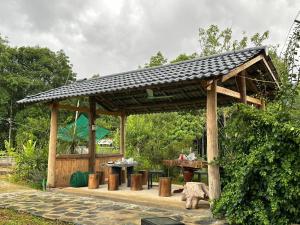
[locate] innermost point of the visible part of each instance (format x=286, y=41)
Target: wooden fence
x=67, y=164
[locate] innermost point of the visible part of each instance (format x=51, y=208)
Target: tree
x=26, y=71
x=156, y=60
x=213, y=40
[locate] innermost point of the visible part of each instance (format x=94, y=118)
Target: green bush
x=30, y=163
x=260, y=168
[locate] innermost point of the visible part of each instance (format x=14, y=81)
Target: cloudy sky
x=108, y=36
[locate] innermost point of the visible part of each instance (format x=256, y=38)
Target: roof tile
x=200, y=68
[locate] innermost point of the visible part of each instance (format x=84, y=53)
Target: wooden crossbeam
x=234, y=94
x=270, y=71
x=86, y=110
x=242, y=67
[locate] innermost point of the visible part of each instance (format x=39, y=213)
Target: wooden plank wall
x=66, y=165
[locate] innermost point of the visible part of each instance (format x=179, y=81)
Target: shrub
x=261, y=168
x=30, y=163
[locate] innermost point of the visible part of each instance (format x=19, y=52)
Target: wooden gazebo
x=246, y=76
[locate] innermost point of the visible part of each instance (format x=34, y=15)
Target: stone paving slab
x=91, y=211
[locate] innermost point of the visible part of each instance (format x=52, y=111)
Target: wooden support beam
x=52, y=146
x=123, y=134
x=241, y=78
x=86, y=110
x=92, y=134
x=212, y=143
x=270, y=71
x=234, y=94
x=242, y=67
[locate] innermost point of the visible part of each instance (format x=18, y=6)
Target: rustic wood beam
x=235, y=94
x=163, y=104
x=92, y=134
x=123, y=134
x=241, y=78
x=240, y=68
x=86, y=110
x=270, y=71
x=212, y=143
x=52, y=146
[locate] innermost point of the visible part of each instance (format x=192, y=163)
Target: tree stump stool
x=194, y=192
x=113, y=182
x=144, y=176
x=136, y=182
x=101, y=177
x=165, y=184
x=123, y=176
x=93, y=181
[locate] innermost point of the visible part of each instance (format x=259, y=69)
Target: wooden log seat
x=113, y=182
x=193, y=192
x=136, y=182
x=101, y=177
x=93, y=181
x=144, y=176
x=165, y=186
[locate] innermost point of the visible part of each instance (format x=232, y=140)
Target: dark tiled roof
x=200, y=68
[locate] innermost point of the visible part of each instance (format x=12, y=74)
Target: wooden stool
x=101, y=177
x=93, y=181
x=165, y=184
x=113, y=182
x=144, y=176
x=136, y=182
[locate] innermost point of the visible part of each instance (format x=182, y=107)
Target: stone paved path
x=88, y=210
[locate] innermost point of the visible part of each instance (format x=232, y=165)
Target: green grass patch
x=12, y=217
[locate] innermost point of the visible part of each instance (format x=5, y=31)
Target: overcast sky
x=108, y=36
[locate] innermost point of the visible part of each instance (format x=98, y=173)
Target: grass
x=12, y=217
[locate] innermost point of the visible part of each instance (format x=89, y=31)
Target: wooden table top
x=195, y=164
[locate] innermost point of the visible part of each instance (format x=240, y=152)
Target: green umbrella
x=81, y=127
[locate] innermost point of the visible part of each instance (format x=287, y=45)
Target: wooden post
x=242, y=86
x=263, y=105
x=92, y=134
x=52, y=146
x=122, y=134
x=212, y=143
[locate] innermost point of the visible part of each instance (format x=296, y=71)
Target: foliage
x=26, y=71
x=261, y=168
x=152, y=138
x=213, y=40
x=156, y=60
x=31, y=162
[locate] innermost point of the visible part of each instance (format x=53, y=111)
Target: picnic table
x=116, y=168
